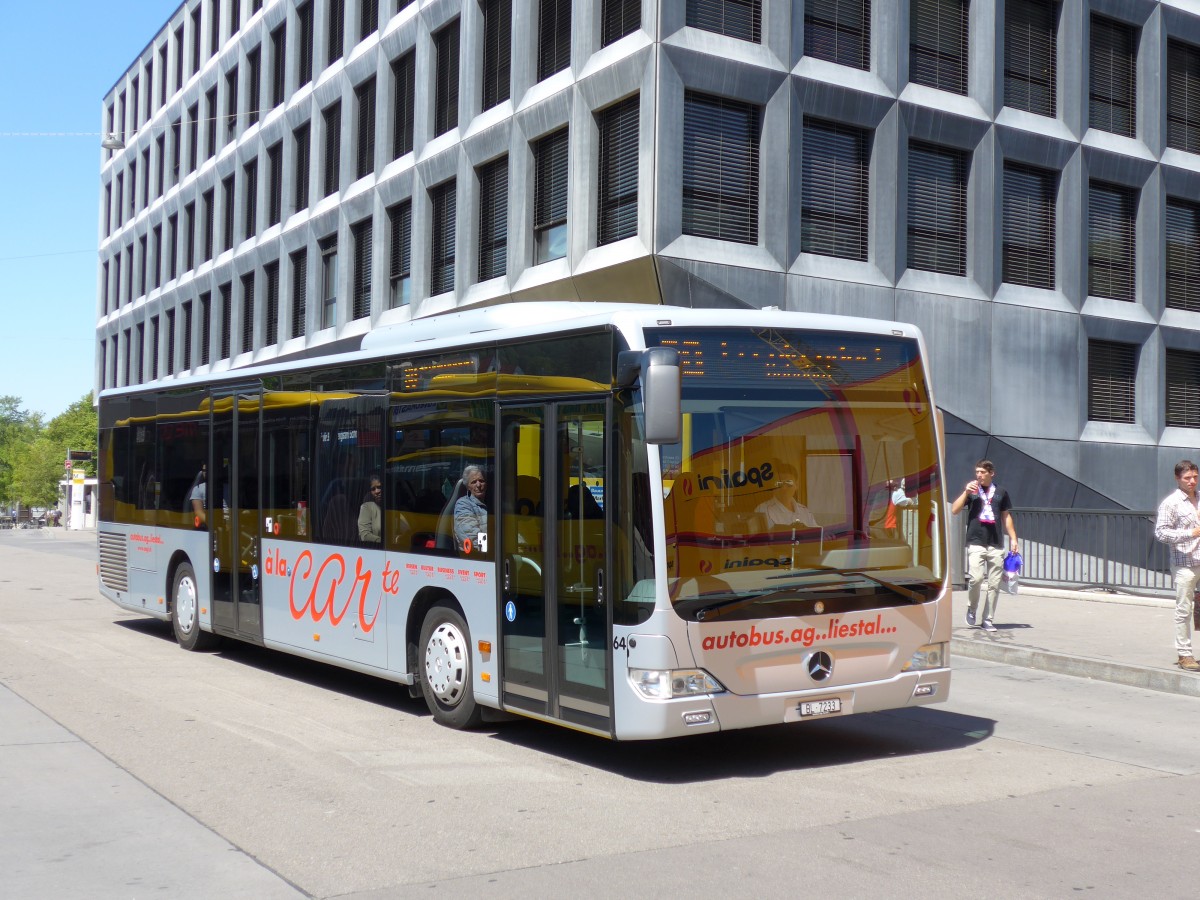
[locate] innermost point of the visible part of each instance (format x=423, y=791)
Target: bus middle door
x=233, y=513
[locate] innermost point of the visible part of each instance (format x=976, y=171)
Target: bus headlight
x=666, y=684
x=930, y=656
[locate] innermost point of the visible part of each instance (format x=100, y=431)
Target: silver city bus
x=636, y=521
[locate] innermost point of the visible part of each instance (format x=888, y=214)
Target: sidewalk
x=1120, y=638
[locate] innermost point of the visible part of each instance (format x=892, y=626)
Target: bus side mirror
x=658, y=368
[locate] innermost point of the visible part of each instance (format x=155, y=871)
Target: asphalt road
x=130, y=768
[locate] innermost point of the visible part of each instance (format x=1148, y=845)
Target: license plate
x=820, y=707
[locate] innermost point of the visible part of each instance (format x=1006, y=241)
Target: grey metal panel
x=1034, y=364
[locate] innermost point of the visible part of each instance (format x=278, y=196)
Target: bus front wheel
x=446, y=669
x=185, y=611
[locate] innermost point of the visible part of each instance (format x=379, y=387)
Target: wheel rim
x=185, y=604
x=446, y=663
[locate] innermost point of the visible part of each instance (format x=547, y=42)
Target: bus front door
x=233, y=514
x=555, y=619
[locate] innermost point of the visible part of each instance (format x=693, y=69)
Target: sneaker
x=1189, y=663
x=970, y=618
x=988, y=626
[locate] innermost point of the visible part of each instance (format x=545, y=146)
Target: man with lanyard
x=1178, y=525
x=986, y=502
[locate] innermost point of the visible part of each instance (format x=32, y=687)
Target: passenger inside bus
x=471, y=514
x=197, y=496
x=370, y=513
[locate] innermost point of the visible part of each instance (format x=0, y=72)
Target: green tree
x=37, y=467
x=75, y=429
x=17, y=428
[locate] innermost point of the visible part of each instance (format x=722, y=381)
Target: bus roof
x=512, y=321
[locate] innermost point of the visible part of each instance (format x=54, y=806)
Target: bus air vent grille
x=114, y=559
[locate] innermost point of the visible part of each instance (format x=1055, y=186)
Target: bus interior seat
x=581, y=504
x=444, y=536
x=529, y=496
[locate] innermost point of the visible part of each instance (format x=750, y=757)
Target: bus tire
x=446, y=669
x=185, y=611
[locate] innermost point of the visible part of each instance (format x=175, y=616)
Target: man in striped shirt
x=1178, y=526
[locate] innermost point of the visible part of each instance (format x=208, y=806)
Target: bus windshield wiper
x=899, y=589
x=726, y=602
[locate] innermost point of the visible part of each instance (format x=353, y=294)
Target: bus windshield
x=806, y=480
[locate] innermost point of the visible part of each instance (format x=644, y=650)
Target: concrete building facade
x=1020, y=178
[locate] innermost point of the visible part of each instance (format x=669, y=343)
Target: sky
x=57, y=61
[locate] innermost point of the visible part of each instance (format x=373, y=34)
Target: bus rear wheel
x=446, y=669
x=185, y=611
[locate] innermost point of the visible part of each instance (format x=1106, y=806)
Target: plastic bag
x=1012, y=563
x=1008, y=583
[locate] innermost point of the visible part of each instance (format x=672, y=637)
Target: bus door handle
x=599, y=587
x=507, y=576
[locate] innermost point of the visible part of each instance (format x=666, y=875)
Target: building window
x=116, y=260
x=210, y=126
x=162, y=75
x=196, y=38
x=172, y=247
x=187, y=337
x=302, y=137
x=140, y=359
x=368, y=18
x=304, y=52
x=205, y=321
x=1029, y=225
x=337, y=31
x=362, y=235
x=161, y=146
x=178, y=45
x=189, y=237
x=617, y=209
x=104, y=292
x=400, y=264
x=1183, y=389
x=193, y=135
x=235, y=16
x=227, y=205
x=497, y=51
x=441, y=245
x=170, y=367
x=838, y=31
x=364, y=100
x=176, y=152
x=835, y=188
x=550, y=156
x=1112, y=91
x=937, y=209
x=1183, y=255
x=250, y=183
x=720, y=168
x=231, y=104
x=299, y=261
x=329, y=281
x=741, y=19
x=278, y=64
x=146, y=177
x=128, y=355
x=120, y=198
x=619, y=18
x=445, y=103
x=271, y=273
x=142, y=256
x=214, y=28
x=1112, y=371
x=938, y=34
x=275, y=184
x=493, y=219
x=332, y=119
x=253, y=85
x=247, y=312
x=554, y=37
x=403, y=94
x=1112, y=215
x=1031, y=55
x=226, y=318
x=156, y=255
x=153, y=348
x=1183, y=97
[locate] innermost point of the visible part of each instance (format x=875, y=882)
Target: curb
x=1163, y=680
x=1098, y=596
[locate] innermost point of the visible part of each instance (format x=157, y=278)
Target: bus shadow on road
x=745, y=753
x=760, y=752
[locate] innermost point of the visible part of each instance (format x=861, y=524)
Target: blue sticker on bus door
x=510, y=611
